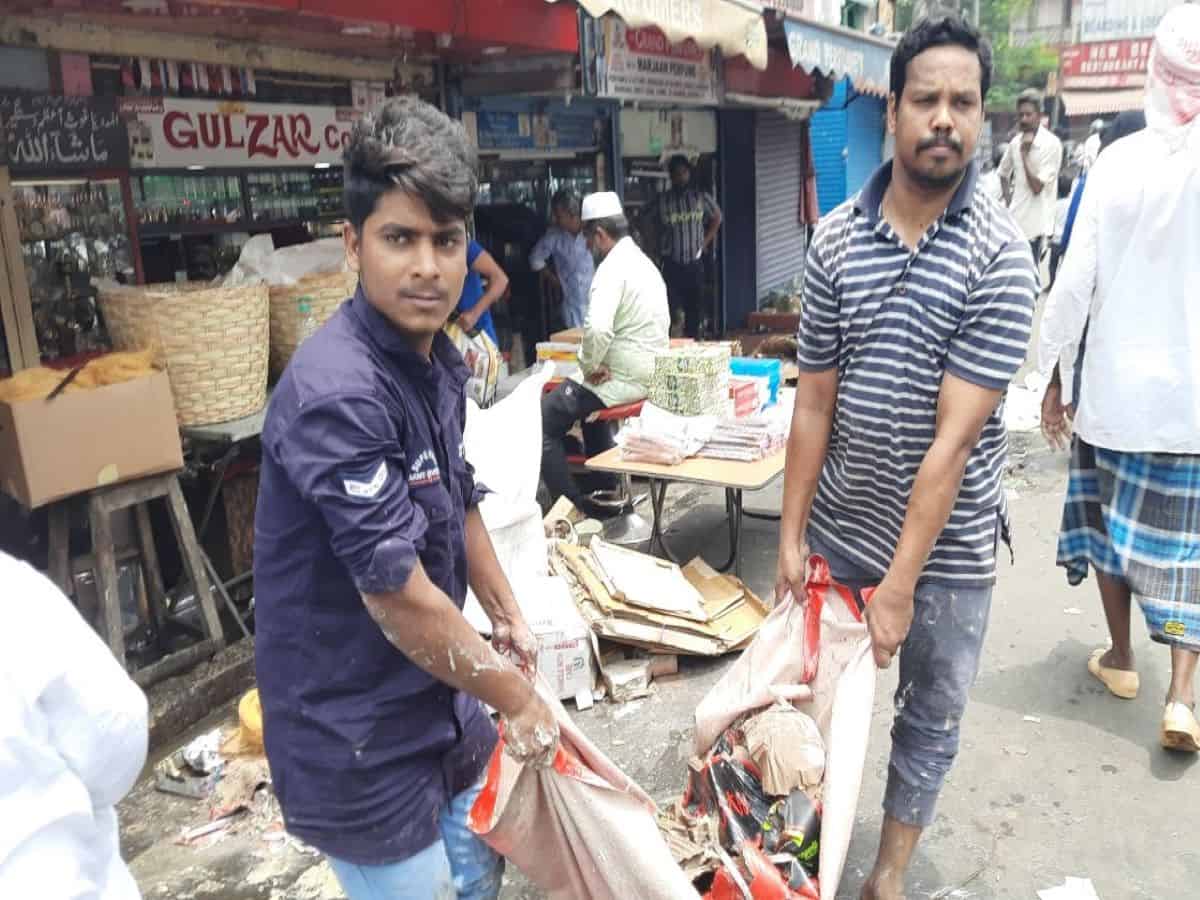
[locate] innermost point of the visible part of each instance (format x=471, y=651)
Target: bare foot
x=1114, y=660
x=880, y=888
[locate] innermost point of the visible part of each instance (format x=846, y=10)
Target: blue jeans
x=458, y=867
x=938, y=663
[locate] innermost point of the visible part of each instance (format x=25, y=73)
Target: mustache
x=940, y=140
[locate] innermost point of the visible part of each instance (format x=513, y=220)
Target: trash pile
x=225, y=771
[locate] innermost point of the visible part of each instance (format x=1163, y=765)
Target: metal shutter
x=780, y=236
x=864, y=137
x=829, y=150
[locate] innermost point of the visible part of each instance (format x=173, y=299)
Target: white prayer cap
x=602, y=205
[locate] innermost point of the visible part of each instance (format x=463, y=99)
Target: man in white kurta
x=73, y=736
x=1029, y=173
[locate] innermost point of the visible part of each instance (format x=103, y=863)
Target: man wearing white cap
x=1132, y=511
x=628, y=323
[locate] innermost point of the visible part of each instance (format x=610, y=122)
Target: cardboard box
x=565, y=657
x=50, y=449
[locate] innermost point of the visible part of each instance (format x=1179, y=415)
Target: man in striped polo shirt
x=918, y=300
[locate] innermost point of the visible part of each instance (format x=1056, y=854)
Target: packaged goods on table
x=692, y=380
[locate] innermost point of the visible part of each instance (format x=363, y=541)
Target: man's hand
x=1056, y=418
x=599, y=375
x=791, y=572
x=531, y=733
x=889, y=616
x=468, y=321
x=512, y=638
x=1026, y=143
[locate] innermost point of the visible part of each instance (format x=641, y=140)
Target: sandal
x=1120, y=682
x=1180, y=730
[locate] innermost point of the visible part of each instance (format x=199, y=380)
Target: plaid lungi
x=1136, y=517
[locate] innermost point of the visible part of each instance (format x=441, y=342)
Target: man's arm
x=497, y=283
x=510, y=633
x=713, y=213
x=600, y=327
x=1041, y=164
x=963, y=410
x=808, y=442
x=984, y=355
x=818, y=341
x=1005, y=171
x=345, y=455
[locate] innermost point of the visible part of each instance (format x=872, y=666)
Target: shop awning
x=839, y=53
x=1099, y=103
x=736, y=26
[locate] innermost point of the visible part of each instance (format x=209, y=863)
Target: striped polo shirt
x=893, y=322
x=682, y=218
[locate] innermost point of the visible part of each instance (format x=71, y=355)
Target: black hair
x=1030, y=97
x=1125, y=124
x=944, y=31
x=677, y=161
x=616, y=227
x=565, y=199
x=411, y=146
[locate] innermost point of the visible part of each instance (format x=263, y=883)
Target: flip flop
x=1180, y=730
x=1120, y=682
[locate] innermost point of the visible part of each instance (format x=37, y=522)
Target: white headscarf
x=1173, y=79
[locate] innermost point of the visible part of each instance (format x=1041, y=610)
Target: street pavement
x=1055, y=777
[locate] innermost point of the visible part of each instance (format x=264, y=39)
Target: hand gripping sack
x=817, y=653
x=579, y=829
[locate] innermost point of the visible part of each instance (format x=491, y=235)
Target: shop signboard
x=1105, y=64
x=517, y=130
x=50, y=133
x=837, y=54
x=169, y=133
x=641, y=64
x=1103, y=20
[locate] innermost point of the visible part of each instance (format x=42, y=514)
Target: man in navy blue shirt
x=367, y=535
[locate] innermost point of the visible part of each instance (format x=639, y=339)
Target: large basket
x=297, y=310
x=211, y=340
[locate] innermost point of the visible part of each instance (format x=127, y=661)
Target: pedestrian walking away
x=367, y=534
x=1132, y=512
x=918, y=301
x=686, y=221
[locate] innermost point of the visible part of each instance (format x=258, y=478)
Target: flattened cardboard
x=51, y=449
x=731, y=625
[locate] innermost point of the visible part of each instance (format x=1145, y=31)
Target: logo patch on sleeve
x=370, y=488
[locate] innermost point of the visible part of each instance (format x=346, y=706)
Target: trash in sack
x=786, y=746
x=726, y=784
x=757, y=877
x=814, y=651
x=793, y=826
x=579, y=828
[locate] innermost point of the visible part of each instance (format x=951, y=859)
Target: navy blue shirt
x=363, y=473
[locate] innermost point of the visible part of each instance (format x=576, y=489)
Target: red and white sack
x=817, y=653
x=580, y=829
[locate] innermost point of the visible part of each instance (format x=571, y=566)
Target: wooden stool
x=102, y=503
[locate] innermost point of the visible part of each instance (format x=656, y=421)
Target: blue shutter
x=864, y=136
x=829, y=149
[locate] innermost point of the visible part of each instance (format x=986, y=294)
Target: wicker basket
x=211, y=340
x=297, y=310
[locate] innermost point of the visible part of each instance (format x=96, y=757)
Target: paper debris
x=627, y=679
x=649, y=582
x=1036, y=720
x=583, y=699
x=1073, y=611
x=1071, y=889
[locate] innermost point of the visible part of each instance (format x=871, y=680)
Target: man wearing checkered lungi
x=1132, y=511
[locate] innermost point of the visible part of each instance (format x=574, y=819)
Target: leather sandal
x=1120, y=682
x=1180, y=730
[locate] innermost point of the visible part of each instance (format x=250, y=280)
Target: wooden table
x=735, y=477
